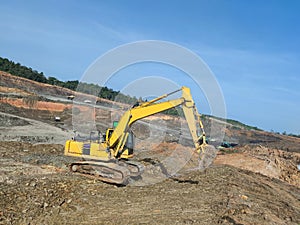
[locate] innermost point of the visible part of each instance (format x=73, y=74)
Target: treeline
x=285, y=133
x=294, y=135
x=236, y=124
x=22, y=71
x=17, y=69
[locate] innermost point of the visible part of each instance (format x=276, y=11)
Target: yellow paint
x=114, y=145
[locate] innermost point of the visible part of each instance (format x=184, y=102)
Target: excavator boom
x=110, y=158
x=152, y=107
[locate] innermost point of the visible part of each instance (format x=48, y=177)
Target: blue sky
x=252, y=47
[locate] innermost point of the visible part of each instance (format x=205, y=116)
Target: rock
x=244, y=197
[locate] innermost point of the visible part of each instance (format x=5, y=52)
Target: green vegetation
x=103, y=92
x=22, y=71
x=294, y=135
x=17, y=69
x=237, y=124
x=177, y=111
x=228, y=150
x=285, y=133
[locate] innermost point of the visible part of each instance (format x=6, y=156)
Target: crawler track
x=111, y=172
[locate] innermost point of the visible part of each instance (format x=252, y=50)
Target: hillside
x=28, y=95
x=19, y=92
x=255, y=182
x=10, y=67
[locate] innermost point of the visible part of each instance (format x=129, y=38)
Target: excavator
x=108, y=157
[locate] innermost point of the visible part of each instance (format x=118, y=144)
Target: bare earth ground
x=250, y=184
x=37, y=188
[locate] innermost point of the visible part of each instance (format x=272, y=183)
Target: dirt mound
x=221, y=195
x=284, y=162
x=267, y=139
x=37, y=188
x=273, y=163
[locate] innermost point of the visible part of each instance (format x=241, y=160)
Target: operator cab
x=129, y=142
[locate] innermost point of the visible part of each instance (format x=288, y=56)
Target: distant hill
x=19, y=70
x=64, y=88
x=22, y=71
x=16, y=69
x=235, y=132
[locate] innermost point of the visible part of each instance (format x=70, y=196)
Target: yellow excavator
x=107, y=157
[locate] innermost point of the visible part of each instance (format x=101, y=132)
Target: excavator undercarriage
x=107, y=157
x=115, y=171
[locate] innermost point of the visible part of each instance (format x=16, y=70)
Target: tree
x=93, y=89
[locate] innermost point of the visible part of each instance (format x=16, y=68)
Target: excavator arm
x=108, y=160
x=119, y=136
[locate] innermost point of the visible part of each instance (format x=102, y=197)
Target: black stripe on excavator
x=86, y=149
x=120, y=152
